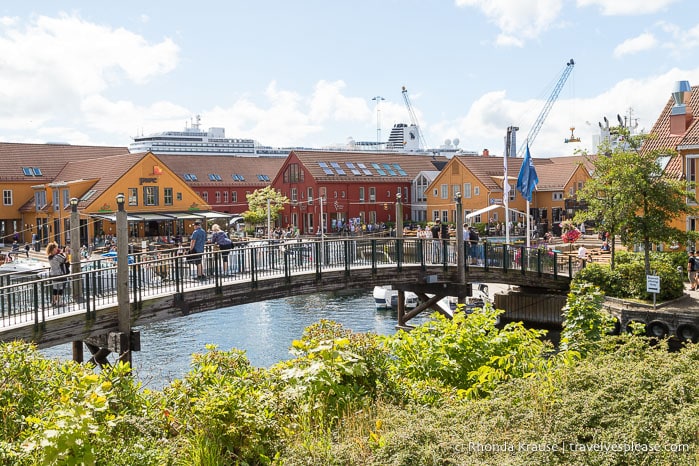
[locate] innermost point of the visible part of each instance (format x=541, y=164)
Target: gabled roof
x=554, y=173
x=202, y=166
x=105, y=170
x=50, y=159
x=408, y=165
x=661, y=139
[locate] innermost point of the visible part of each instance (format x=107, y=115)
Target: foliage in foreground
x=446, y=393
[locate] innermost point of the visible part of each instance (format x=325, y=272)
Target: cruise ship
x=195, y=141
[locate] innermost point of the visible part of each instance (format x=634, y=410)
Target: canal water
x=264, y=330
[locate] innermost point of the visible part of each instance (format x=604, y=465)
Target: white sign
x=652, y=284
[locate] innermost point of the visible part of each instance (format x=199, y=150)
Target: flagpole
x=529, y=243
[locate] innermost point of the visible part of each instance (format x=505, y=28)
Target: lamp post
x=378, y=100
x=124, y=312
x=322, y=233
x=269, y=219
x=460, y=257
x=399, y=215
x=76, y=278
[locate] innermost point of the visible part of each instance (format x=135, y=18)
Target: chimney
x=486, y=153
x=680, y=116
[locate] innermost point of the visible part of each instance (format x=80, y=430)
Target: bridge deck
x=163, y=286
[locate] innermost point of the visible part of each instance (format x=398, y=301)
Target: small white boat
x=386, y=297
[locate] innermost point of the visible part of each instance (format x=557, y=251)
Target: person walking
x=220, y=238
x=196, y=246
x=57, y=263
x=692, y=267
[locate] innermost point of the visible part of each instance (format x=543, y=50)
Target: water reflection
x=264, y=330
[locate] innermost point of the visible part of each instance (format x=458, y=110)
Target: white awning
x=112, y=217
x=214, y=215
x=185, y=215
x=492, y=207
x=483, y=211
x=149, y=217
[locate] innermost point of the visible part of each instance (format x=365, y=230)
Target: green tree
x=632, y=196
x=261, y=202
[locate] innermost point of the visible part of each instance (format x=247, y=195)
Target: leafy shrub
x=628, y=279
x=467, y=352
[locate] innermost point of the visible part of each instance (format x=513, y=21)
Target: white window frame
x=7, y=197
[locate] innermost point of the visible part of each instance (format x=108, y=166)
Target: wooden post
x=123, y=278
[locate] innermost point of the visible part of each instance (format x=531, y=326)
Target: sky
x=319, y=73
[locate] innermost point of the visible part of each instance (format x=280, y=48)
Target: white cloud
x=621, y=8
x=645, y=41
x=518, y=21
x=50, y=64
x=489, y=115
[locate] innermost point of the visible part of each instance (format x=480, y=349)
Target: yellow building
x=479, y=179
x=160, y=203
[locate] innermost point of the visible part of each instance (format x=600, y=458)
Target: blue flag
x=527, y=179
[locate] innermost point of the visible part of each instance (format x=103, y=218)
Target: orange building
x=479, y=179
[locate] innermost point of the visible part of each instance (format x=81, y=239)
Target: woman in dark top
x=56, y=262
x=224, y=243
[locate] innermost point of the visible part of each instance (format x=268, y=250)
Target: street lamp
x=399, y=215
x=460, y=257
x=124, y=312
x=76, y=278
x=322, y=232
x=378, y=100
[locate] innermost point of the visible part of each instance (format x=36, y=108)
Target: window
x=218, y=197
x=435, y=193
x=150, y=195
x=445, y=191
x=40, y=199
x=361, y=194
x=205, y=196
x=513, y=192
x=6, y=197
x=66, y=197
x=467, y=190
x=310, y=195
x=214, y=177
x=234, y=197
x=167, y=196
x=88, y=195
x=133, y=196
x=179, y=196
x=238, y=177
x=56, y=201
x=435, y=215
x=476, y=190
x=445, y=216
x=294, y=195
x=322, y=192
x=372, y=194
x=27, y=171
x=558, y=196
x=335, y=194
x=571, y=191
x=293, y=174
x=421, y=194
x=225, y=197
x=343, y=194
x=37, y=171
x=388, y=193
x=263, y=178
x=580, y=185
x=454, y=190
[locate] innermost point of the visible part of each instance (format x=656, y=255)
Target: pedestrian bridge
x=163, y=285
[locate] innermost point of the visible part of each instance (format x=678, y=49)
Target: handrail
x=166, y=272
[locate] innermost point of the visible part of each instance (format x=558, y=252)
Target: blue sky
x=303, y=73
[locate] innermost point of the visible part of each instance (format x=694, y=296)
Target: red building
x=224, y=181
x=354, y=186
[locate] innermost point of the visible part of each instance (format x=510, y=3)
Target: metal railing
x=29, y=300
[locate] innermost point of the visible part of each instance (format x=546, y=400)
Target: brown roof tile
x=410, y=164
x=226, y=167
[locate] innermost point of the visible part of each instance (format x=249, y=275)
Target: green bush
x=628, y=279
